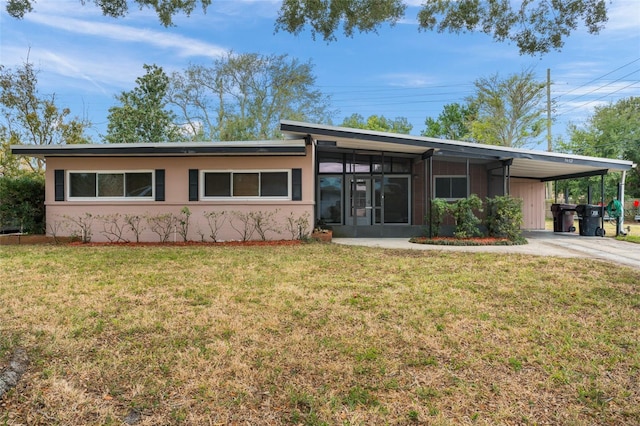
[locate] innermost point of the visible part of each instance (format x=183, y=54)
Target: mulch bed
x=193, y=243
x=43, y=239
x=478, y=241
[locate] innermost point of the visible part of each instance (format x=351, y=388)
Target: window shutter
x=59, y=185
x=160, y=185
x=296, y=184
x=193, y=184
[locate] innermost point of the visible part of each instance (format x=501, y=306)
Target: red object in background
x=636, y=203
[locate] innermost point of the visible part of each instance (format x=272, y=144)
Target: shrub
x=183, y=221
x=434, y=218
x=215, y=220
x=22, y=203
x=298, y=227
x=246, y=228
x=162, y=224
x=504, y=217
x=113, y=227
x=83, y=226
x=264, y=222
x=466, y=220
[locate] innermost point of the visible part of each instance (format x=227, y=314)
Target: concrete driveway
x=541, y=243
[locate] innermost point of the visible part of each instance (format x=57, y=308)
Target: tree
x=535, y=26
x=244, y=96
x=29, y=118
x=378, y=123
x=453, y=122
x=22, y=202
x=165, y=9
x=509, y=111
x=142, y=115
x=613, y=131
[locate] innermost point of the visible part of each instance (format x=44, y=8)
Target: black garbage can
x=589, y=220
x=563, y=217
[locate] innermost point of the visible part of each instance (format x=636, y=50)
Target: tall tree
x=452, y=123
x=142, y=115
x=613, y=131
x=379, y=123
x=165, y=9
x=509, y=111
x=535, y=26
x=244, y=96
x=29, y=118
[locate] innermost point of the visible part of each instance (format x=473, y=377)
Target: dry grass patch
x=317, y=334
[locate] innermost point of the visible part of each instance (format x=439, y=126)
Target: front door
x=360, y=201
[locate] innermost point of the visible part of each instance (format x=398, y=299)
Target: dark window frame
x=124, y=197
x=259, y=196
x=451, y=195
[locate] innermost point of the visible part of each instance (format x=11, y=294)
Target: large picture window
x=112, y=185
x=247, y=184
x=450, y=187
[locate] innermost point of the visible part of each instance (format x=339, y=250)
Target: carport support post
x=602, y=205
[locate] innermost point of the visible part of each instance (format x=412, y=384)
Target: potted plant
x=321, y=233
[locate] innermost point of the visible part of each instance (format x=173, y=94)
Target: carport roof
x=530, y=164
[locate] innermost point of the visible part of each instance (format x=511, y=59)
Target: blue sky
x=87, y=59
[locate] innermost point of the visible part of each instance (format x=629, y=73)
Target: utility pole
x=549, y=147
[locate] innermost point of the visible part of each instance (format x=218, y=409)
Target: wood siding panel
x=533, y=202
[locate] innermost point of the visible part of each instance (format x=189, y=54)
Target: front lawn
x=316, y=334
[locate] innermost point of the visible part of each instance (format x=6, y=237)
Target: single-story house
x=361, y=183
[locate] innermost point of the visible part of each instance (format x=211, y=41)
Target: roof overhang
x=530, y=164
x=173, y=149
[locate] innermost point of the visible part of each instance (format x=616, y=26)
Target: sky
x=86, y=59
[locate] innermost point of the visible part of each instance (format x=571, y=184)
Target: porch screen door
x=360, y=198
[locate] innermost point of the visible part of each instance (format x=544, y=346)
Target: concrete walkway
x=541, y=243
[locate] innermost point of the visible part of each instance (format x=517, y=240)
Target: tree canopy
x=452, y=123
x=502, y=111
x=142, y=115
x=613, y=131
x=378, y=123
x=244, y=96
x=535, y=26
x=29, y=118
x=165, y=9
x=509, y=110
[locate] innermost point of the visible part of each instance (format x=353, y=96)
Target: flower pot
x=323, y=236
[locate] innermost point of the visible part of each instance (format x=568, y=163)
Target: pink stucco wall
x=177, y=196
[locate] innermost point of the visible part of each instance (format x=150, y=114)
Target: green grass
x=317, y=334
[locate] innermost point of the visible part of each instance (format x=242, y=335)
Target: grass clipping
x=316, y=334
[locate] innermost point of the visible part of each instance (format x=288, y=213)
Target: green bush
x=504, y=217
x=434, y=218
x=22, y=203
x=463, y=211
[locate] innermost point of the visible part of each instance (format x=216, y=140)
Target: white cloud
x=624, y=15
x=185, y=46
x=408, y=80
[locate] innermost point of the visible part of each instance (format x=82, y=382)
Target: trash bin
x=589, y=220
x=563, y=217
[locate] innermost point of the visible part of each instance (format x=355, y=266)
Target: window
x=247, y=184
x=330, y=189
x=450, y=187
x=111, y=185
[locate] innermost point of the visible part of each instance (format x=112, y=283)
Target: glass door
x=360, y=201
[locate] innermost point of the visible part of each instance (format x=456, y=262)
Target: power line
x=597, y=78
x=599, y=88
